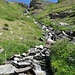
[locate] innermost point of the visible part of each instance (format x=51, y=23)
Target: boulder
x=7, y=69
x=36, y=4
x=61, y=14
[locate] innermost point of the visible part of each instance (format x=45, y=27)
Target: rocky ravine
x=35, y=62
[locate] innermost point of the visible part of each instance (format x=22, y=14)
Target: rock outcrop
x=61, y=14
x=23, y=5
x=38, y=4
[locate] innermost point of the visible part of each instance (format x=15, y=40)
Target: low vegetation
x=18, y=32
x=63, y=57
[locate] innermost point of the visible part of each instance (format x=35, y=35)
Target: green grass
x=10, y=11
x=22, y=33
x=61, y=51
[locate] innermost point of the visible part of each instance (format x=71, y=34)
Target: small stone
x=24, y=54
x=22, y=74
x=22, y=70
x=40, y=72
x=43, y=27
x=1, y=33
x=16, y=59
x=63, y=24
x=35, y=22
x=17, y=55
x=39, y=47
x=23, y=64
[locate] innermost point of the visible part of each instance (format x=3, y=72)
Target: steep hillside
x=54, y=13
x=60, y=16
x=17, y=30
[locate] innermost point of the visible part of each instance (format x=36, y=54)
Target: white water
x=38, y=70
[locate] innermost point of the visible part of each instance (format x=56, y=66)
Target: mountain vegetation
x=18, y=32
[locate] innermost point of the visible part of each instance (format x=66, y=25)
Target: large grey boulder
x=7, y=69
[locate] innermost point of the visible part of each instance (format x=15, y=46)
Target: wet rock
x=7, y=69
x=40, y=72
x=64, y=33
x=70, y=33
x=38, y=56
x=22, y=70
x=22, y=74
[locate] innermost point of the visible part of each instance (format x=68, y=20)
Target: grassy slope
x=22, y=33
x=62, y=49
x=65, y=5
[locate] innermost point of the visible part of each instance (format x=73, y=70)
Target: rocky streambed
x=35, y=62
